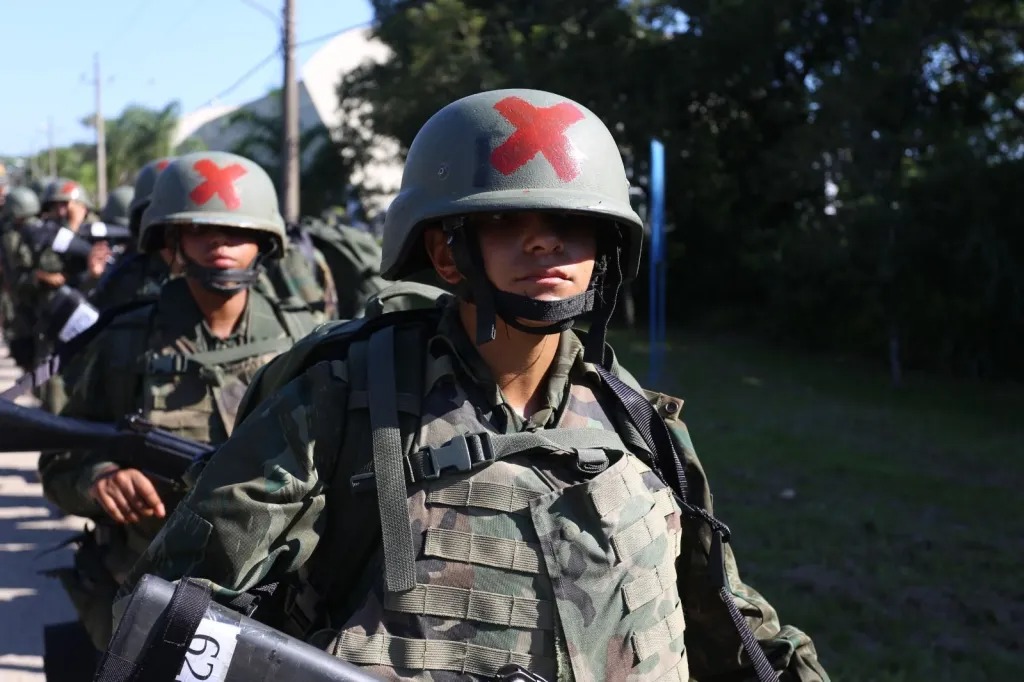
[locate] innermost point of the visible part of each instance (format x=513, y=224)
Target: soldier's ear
x=440, y=254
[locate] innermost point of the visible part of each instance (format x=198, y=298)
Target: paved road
x=28, y=525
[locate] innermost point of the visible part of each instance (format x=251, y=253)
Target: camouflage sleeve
x=713, y=645
x=67, y=475
x=255, y=512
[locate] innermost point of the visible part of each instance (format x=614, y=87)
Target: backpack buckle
x=452, y=455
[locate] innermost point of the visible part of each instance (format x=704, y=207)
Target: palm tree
x=137, y=136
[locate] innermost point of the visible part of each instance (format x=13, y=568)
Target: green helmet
x=214, y=188
x=516, y=150
x=39, y=185
x=144, y=183
x=63, y=189
x=115, y=211
x=508, y=150
x=21, y=203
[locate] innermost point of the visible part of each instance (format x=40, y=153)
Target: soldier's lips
x=547, y=277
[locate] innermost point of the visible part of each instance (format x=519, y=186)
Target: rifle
x=133, y=442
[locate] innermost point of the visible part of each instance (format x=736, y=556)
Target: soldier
x=63, y=265
x=136, y=275
x=183, y=361
x=117, y=210
x=22, y=206
x=532, y=501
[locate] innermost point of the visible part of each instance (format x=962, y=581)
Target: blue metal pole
x=657, y=225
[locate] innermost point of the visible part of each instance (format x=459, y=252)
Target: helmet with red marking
x=144, y=183
x=508, y=150
x=65, y=190
x=213, y=188
x=511, y=151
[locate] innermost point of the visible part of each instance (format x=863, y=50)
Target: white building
x=318, y=104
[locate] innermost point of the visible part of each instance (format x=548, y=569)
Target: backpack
x=353, y=256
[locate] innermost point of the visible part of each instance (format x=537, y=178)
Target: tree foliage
x=841, y=173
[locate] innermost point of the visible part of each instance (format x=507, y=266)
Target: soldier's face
x=545, y=256
x=75, y=212
x=214, y=246
x=58, y=210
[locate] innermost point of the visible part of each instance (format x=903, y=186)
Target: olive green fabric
x=164, y=361
x=561, y=566
x=213, y=188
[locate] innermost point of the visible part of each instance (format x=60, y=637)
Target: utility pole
x=290, y=114
x=53, y=150
x=101, y=137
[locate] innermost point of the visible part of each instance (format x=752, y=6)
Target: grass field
x=888, y=524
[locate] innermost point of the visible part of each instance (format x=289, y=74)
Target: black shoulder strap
x=164, y=654
x=655, y=433
x=64, y=352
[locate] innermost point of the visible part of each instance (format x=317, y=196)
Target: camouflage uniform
x=163, y=360
x=554, y=544
x=18, y=319
x=40, y=296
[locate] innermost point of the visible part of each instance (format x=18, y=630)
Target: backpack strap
x=470, y=451
x=207, y=364
x=392, y=496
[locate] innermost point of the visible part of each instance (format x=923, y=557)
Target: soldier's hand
x=127, y=496
x=53, y=279
x=98, y=256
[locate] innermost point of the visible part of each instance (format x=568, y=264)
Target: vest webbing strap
x=649, y=642
x=484, y=494
x=432, y=654
x=461, y=604
x=483, y=550
x=648, y=586
x=657, y=437
x=466, y=452
x=389, y=472
x=643, y=532
x=177, y=363
x=680, y=672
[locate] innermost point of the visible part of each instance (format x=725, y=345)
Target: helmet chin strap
x=491, y=302
x=220, y=281
x=226, y=282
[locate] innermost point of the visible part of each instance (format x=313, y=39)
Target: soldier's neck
x=519, y=362
x=221, y=312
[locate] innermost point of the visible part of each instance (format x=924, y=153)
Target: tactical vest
x=553, y=549
x=184, y=388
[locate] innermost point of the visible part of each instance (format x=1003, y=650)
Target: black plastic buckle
x=452, y=455
x=516, y=673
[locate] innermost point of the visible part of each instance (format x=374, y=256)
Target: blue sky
x=151, y=52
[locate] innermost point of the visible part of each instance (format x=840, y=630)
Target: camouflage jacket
x=152, y=360
x=18, y=282
x=279, y=499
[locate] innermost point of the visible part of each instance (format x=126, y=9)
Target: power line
x=140, y=9
x=327, y=36
x=277, y=51
x=246, y=76
x=264, y=11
